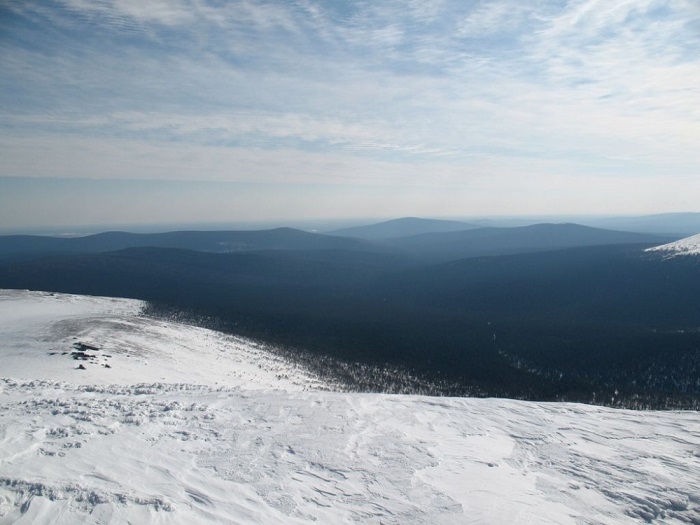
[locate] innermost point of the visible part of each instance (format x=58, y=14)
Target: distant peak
x=402, y=227
x=686, y=246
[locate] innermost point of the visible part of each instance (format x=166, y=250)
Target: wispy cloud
x=496, y=18
x=122, y=12
x=435, y=92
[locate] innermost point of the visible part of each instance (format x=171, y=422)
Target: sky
x=124, y=111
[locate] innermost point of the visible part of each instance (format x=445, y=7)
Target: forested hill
x=402, y=227
x=18, y=247
x=577, y=323
x=447, y=246
x=434, y=246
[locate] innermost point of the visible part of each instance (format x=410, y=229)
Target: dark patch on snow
x=82, y=356
x=80, y=353
x=83, y=346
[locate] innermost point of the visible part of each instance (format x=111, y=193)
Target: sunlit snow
x=167, y=423
x=686, y=246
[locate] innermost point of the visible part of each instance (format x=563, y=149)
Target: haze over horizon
x=198, y=111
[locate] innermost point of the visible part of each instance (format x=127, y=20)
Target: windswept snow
x=191, y=426
x=39, y=333
x=686, y=246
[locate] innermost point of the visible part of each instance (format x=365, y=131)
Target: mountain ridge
x=444, y=246
x=19, y=246
x=402, y=227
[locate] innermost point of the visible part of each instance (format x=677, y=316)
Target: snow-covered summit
x=687, y=246
x=110, y=417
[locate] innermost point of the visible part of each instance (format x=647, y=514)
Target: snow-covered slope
x=686, y=246
x=190, y=426
x=42, y=334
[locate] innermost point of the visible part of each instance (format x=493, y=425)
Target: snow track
x=113, y=445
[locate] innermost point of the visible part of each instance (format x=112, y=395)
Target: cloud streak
x=437, y=93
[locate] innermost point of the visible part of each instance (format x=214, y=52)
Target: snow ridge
x=686, y=246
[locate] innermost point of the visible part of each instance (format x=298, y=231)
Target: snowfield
x=167, y=423
x=686, y=246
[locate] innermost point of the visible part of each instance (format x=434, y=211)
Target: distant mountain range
x=443, y=245
x=446, y=246
x=548, y=311
x=22, y=247
x=673, y=224
x=402, y=227
x=665, y=224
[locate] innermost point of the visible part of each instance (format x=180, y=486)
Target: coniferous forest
x=552, y=312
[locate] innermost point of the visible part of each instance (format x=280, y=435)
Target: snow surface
x=686, y=246
x=191, y=426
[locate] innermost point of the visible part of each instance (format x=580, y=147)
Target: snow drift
x=109, y=417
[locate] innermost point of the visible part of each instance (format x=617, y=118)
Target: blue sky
x=127, y=111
